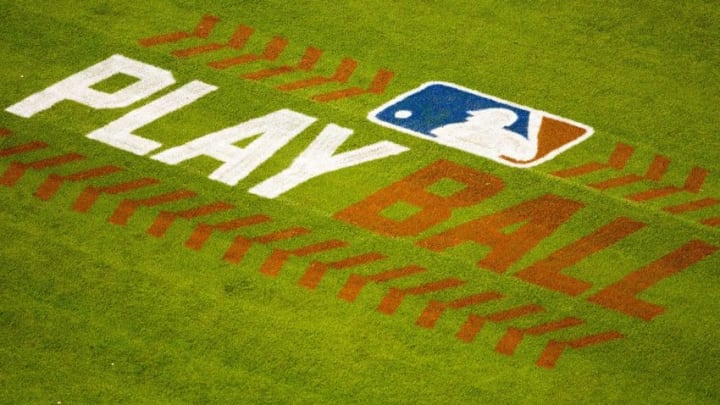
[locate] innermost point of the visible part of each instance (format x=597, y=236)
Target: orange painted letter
x=547, y=272
x=620, y=295
x=540, y=218
x=433, y=208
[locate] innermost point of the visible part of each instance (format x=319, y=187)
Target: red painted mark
x=5, y=132
x=377, y=86
x=396, y=296
x=342, y=74
x=166, y=218
x=317, y=270
x=655, y=172
x=357, y=282
x=475, y=323
x=272, y=51
x=547, y=272
x=127, y=208
x=241, y=245
x=555, y=349
x=306, y=64
x=16, y=170
x=711, y=221
x=621, y=295
x=692, y=206
x=202, y=232
x=90, y=195
x=28, y=147
x=54, y=181
x=202, y=30
x=693, y=184
x=279, y=257
x=618, y=160
x=435, y=309
x=514, y=336
x=237, y=41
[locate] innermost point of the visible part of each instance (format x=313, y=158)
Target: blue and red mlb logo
x=477, y=123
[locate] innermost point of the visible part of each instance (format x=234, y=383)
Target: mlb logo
x=483, y=125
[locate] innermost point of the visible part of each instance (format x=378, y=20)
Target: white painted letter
x=318, y=159
x=78, y=87
x=119, y=132
x=275, y=129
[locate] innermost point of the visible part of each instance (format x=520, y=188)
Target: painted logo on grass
x=477, y=123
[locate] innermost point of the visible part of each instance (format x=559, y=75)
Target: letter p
x=78, y=87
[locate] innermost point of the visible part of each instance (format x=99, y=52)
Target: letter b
x=413, y=190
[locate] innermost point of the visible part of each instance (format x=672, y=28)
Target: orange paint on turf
x=272, y=51
x=547, y=272
x=618, y=160
x=317, y=270
x=202, y=30
x=357, y=282
x=166, y=218
x=241, y=244
x=54, y=181
x=435, y=309
x=278, y=257
x=621, y=295
x=202, y=232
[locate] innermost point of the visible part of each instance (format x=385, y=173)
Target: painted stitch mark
x=617, y=161
x=241, y=244
x=91, y=194
x=166, y=218
x=357, y=282
x=514, y=336
x=272, y=51
x=278, y=258
x=390, y=304
x=715, y=221
x=555, y=349
x=435, y=309
x=54, y=181
x=202, y=30
x=28, y=147
x=693, y=184
x=655, y=173
x=317, y=270
x=306, y=64
x=377, y=86
x=127, y=208
x=342, y=74
x=237, y=41
x=475, y=323
x=17, y=170
x=202, y=232
x=692, y=206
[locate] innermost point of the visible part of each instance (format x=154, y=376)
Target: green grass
x=95, y=312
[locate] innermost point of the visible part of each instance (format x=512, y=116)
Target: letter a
x=275, y=129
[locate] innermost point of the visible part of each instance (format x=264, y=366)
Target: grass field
x=430, y=275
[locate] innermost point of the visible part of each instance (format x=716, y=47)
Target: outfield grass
x=92, y=311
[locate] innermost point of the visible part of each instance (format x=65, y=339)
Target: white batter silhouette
x=484, y=134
